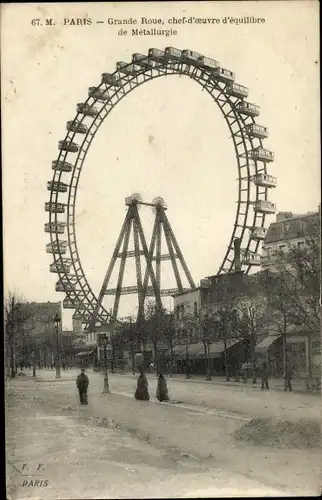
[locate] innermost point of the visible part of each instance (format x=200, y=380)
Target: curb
x=231, y=384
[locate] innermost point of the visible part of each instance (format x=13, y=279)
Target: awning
x=197, y=351
x=266, y=343
x=86, y=353
x=194, y=350
x=217, y=348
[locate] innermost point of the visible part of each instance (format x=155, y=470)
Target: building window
x=316, y=348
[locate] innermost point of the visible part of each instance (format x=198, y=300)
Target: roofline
x=187, y=291
x=304, y=216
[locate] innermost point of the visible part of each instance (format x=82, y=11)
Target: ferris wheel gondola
x=252, y=158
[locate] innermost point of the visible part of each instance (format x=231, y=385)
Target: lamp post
x=57, y=321
x=102, y=340
x=33, y=354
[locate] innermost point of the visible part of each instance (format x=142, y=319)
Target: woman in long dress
x=142, y=392
x=162, y=389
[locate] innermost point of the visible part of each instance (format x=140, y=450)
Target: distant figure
x=264, y=376
x=142, y=392
x=151, y=365
x=64, y=365
x=162, y=389
x=188, y=370
x=288, y=379
x=82, y=385
x=21, y=365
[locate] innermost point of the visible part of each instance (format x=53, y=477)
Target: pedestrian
x=142, y=392
x=82, y=385
x=288, y=378
x=188, y=370
x=151, y=365
x=264, y=376
x=162, y=389
x=21, y=365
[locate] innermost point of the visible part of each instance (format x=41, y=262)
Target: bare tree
x=16, y=315
x=299, y=278
x=153, y=321
x=170, y=337
x=205, y=330
x=225, y=330
x=293, y=294
x=126, y=331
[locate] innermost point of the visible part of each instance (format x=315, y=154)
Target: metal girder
x=138, y=269
x=123, y=261
x=131, y=253
x=133, y=290
x=168, y=230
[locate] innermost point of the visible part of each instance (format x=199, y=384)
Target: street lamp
x=57, y=321
x=102, y=341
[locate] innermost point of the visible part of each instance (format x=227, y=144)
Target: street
x=117, y=447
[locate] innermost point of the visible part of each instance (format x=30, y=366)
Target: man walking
x=264, y=376
x=288, y=378
x=82, y=385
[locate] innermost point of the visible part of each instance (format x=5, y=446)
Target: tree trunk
x=132, y=352
x=309, y=356
x=172, y=360
x=252, y=357
x=207, y=367
x=12, y=358
x=155, y=357
x=226, y=361
x=284, y=355
x=188, y=374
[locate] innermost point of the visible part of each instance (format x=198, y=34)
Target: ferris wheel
x=247, y=137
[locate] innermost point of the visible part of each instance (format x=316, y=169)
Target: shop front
x=87, y=357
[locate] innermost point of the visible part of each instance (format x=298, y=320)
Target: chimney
x=283, y=215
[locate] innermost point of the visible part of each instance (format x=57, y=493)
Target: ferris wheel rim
x=84, y=150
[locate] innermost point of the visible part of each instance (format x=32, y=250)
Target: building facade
x=288, y=232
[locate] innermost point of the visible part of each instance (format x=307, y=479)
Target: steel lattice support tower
x=161, y=228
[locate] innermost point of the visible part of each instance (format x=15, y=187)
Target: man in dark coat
x=82, y=385
x=264, y=375
x=288, y=377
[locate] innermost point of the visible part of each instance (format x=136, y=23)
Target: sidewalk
x=275, y=384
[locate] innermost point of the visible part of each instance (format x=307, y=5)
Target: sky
x=167, y=138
